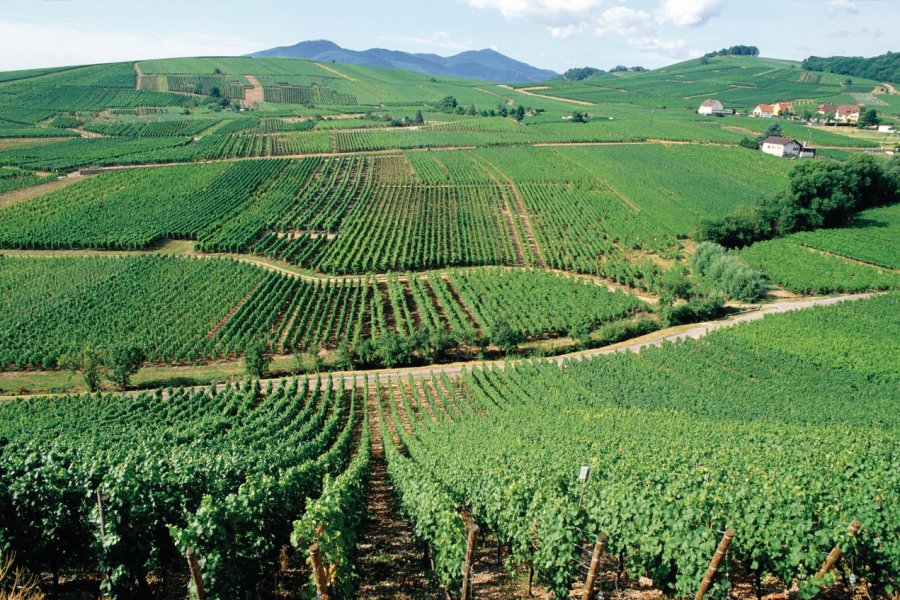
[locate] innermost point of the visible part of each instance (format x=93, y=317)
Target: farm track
x=15, y=196
x=334, y=71
x=522, y=213
x=658, y=338
x=389, y=560
x=518, y=247
x=288, y=269
x=255, y=94
x=526, y=92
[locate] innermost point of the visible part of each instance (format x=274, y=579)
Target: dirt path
x=334, y=71
x=15, y=196
x=521, y=212
x=545, y=96
x=694, y=331
x=518, y=247
x=255, y=95
x=389, y=561
x=137, y=75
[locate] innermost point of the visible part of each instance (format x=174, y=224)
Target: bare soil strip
x=334, y=71
x=15, y=196
x=546, y=97
x=522, y=213
x=389, y=560
x=253, y=95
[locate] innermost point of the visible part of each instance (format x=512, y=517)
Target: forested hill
x=882, y=68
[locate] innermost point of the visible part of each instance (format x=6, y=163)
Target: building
x=827, y=109
x=807, y=152
x=781, y=146
x=710, y=107
x=847, y=113
x=887, y=128
x=781, y=108
x=763, y=110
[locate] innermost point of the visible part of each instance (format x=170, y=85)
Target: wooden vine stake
x=591, y=582
x=470, y=558
x=196, y=576
x=835, y=554
x=319, y=573
x=714, y=563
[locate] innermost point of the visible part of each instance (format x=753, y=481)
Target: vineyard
x=471, y=261
x=507, y=446
x=102, y=302
x=135, y=483
x=501, y=448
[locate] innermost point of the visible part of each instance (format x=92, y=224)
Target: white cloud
x=689, y=12
x=28, y=45
x=558, y=13
x=841, y=7
x=439, y=39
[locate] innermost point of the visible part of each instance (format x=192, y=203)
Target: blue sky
x=553, y=34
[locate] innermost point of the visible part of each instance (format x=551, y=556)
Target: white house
x=763, y=110
x=885, y=129
x=781, y=146
x=710, y=107
x=847, y=113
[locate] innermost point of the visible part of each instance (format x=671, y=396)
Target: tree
x=471, y=112
x=215, y=92
x=579, y=117
x=124, y=362
x=419, y=119
x=448, y=104
x=520, y=113
x=773, y=130
x=392, y=350
x=89, y=362
x=869, y=118
x=315, y=359
x=506, y=338
x=257, y=359
x=750, y=143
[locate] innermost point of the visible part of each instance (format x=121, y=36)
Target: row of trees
x=885, y=67
x=118, y=365
x=821, y=194
x=450, y=105
x=738, y=50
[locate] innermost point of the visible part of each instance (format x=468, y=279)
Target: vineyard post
x=591, y=581
x=100, y=512
x=467, y=566
x=319, y=573
x=835, y=554
x=196, y=576
x=714, y=563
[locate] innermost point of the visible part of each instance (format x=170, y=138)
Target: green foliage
x=727, y=274
x=771, y=409
x=257, y=359
x=868, y=118
x=89, y=362
x=885, y=67
x=579, y=74
x=123, y=363
x=735, y=51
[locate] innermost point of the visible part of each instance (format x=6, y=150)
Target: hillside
x=487, y=65
x=740, y=82
x=884, y=68
x=279, y=327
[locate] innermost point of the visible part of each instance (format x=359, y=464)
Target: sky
x=552, y=34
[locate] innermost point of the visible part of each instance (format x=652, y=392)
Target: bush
x=257, y=360
x=724, y=273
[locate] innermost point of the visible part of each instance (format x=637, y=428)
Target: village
x=826, y=114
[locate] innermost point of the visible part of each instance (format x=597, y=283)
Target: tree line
x=821, y=194
x=885, y=67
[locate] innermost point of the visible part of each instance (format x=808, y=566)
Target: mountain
x=487, y=65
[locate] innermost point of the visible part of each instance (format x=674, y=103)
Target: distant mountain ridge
x=488, y=65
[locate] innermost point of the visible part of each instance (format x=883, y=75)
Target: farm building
x=847, y=113
x=827, y=108
x=780, y=108
x=763, y=110
x=710, y=107
x=781, y=146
